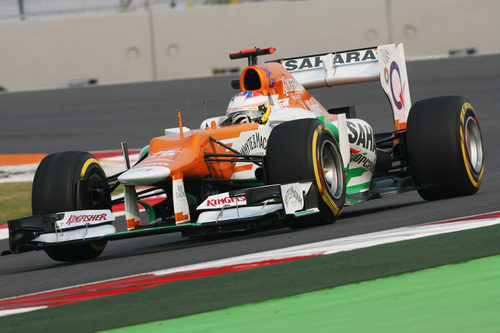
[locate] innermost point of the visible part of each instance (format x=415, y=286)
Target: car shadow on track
x=278, y=229
x=172, y=242
x=198, y=241
x=359, y=210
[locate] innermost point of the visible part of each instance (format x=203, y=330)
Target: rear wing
x=385, y=63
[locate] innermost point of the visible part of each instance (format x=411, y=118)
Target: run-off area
x=320, y=271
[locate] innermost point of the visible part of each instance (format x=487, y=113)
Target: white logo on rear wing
x=342, y=58
x=334, y=68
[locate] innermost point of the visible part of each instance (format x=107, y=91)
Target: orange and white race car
x=277, y=154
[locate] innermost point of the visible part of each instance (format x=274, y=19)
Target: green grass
x=452, y=298
x=119, y=190
x=15, y=201
x=188, y=297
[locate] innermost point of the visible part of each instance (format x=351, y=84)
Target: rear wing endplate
x=385, y=63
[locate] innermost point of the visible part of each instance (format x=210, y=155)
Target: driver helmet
x=248, y=106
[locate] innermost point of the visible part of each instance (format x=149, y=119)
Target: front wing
x=235, y=210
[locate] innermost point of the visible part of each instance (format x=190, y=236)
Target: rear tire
x=445, y=148
x=55, y=189
x=306, y=150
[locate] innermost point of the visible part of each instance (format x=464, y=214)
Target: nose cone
x=142, y=176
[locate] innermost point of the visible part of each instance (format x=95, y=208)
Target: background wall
x=192, y=42
x=436, y=27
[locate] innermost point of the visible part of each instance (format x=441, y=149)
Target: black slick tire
x=55, y=189
x=444, y=147
x=306, y=150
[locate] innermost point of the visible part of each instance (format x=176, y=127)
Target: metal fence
x=25, y=9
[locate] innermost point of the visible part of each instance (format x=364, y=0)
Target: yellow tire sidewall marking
x=97, y=247
x=465, y=107
x=326, y=198
x=86, y=166
x=94, y=246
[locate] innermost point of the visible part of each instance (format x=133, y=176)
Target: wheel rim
x=332, y=168
x=94, y=174
x=474, y=144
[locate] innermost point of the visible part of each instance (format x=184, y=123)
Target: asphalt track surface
x=100, y=117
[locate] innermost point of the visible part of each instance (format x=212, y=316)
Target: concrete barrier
x=192, y=43
x=51, y=53
x=437, y=27
x=54, y=53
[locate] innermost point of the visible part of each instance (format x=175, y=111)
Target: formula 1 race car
x=277, y=154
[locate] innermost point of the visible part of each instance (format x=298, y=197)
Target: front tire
x=56, y=189
x=306, y=150
x=445, y=147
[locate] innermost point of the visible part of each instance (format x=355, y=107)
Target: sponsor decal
x=255, y=141
x=168, y=155
x=214, y=203
x=161, y=158
x=386, y=75
x=398, y=100
x=283, y=103
x=223, y=200
x=181, y=207
x=152, y=163
x=81, y=218
x=338, y=58
x=304, y=63
x=290, y=85
x=270, y=79
x=361, y=135
x=385, y=56
x=313, y=106
x=180, y=191
x=363, y=161
x=86, y=218
x=246, y=94
x=292, y=195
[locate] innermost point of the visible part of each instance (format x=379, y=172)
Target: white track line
x=319, y=248
x=4, y=232
x=343, y=244
x=21, y=310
